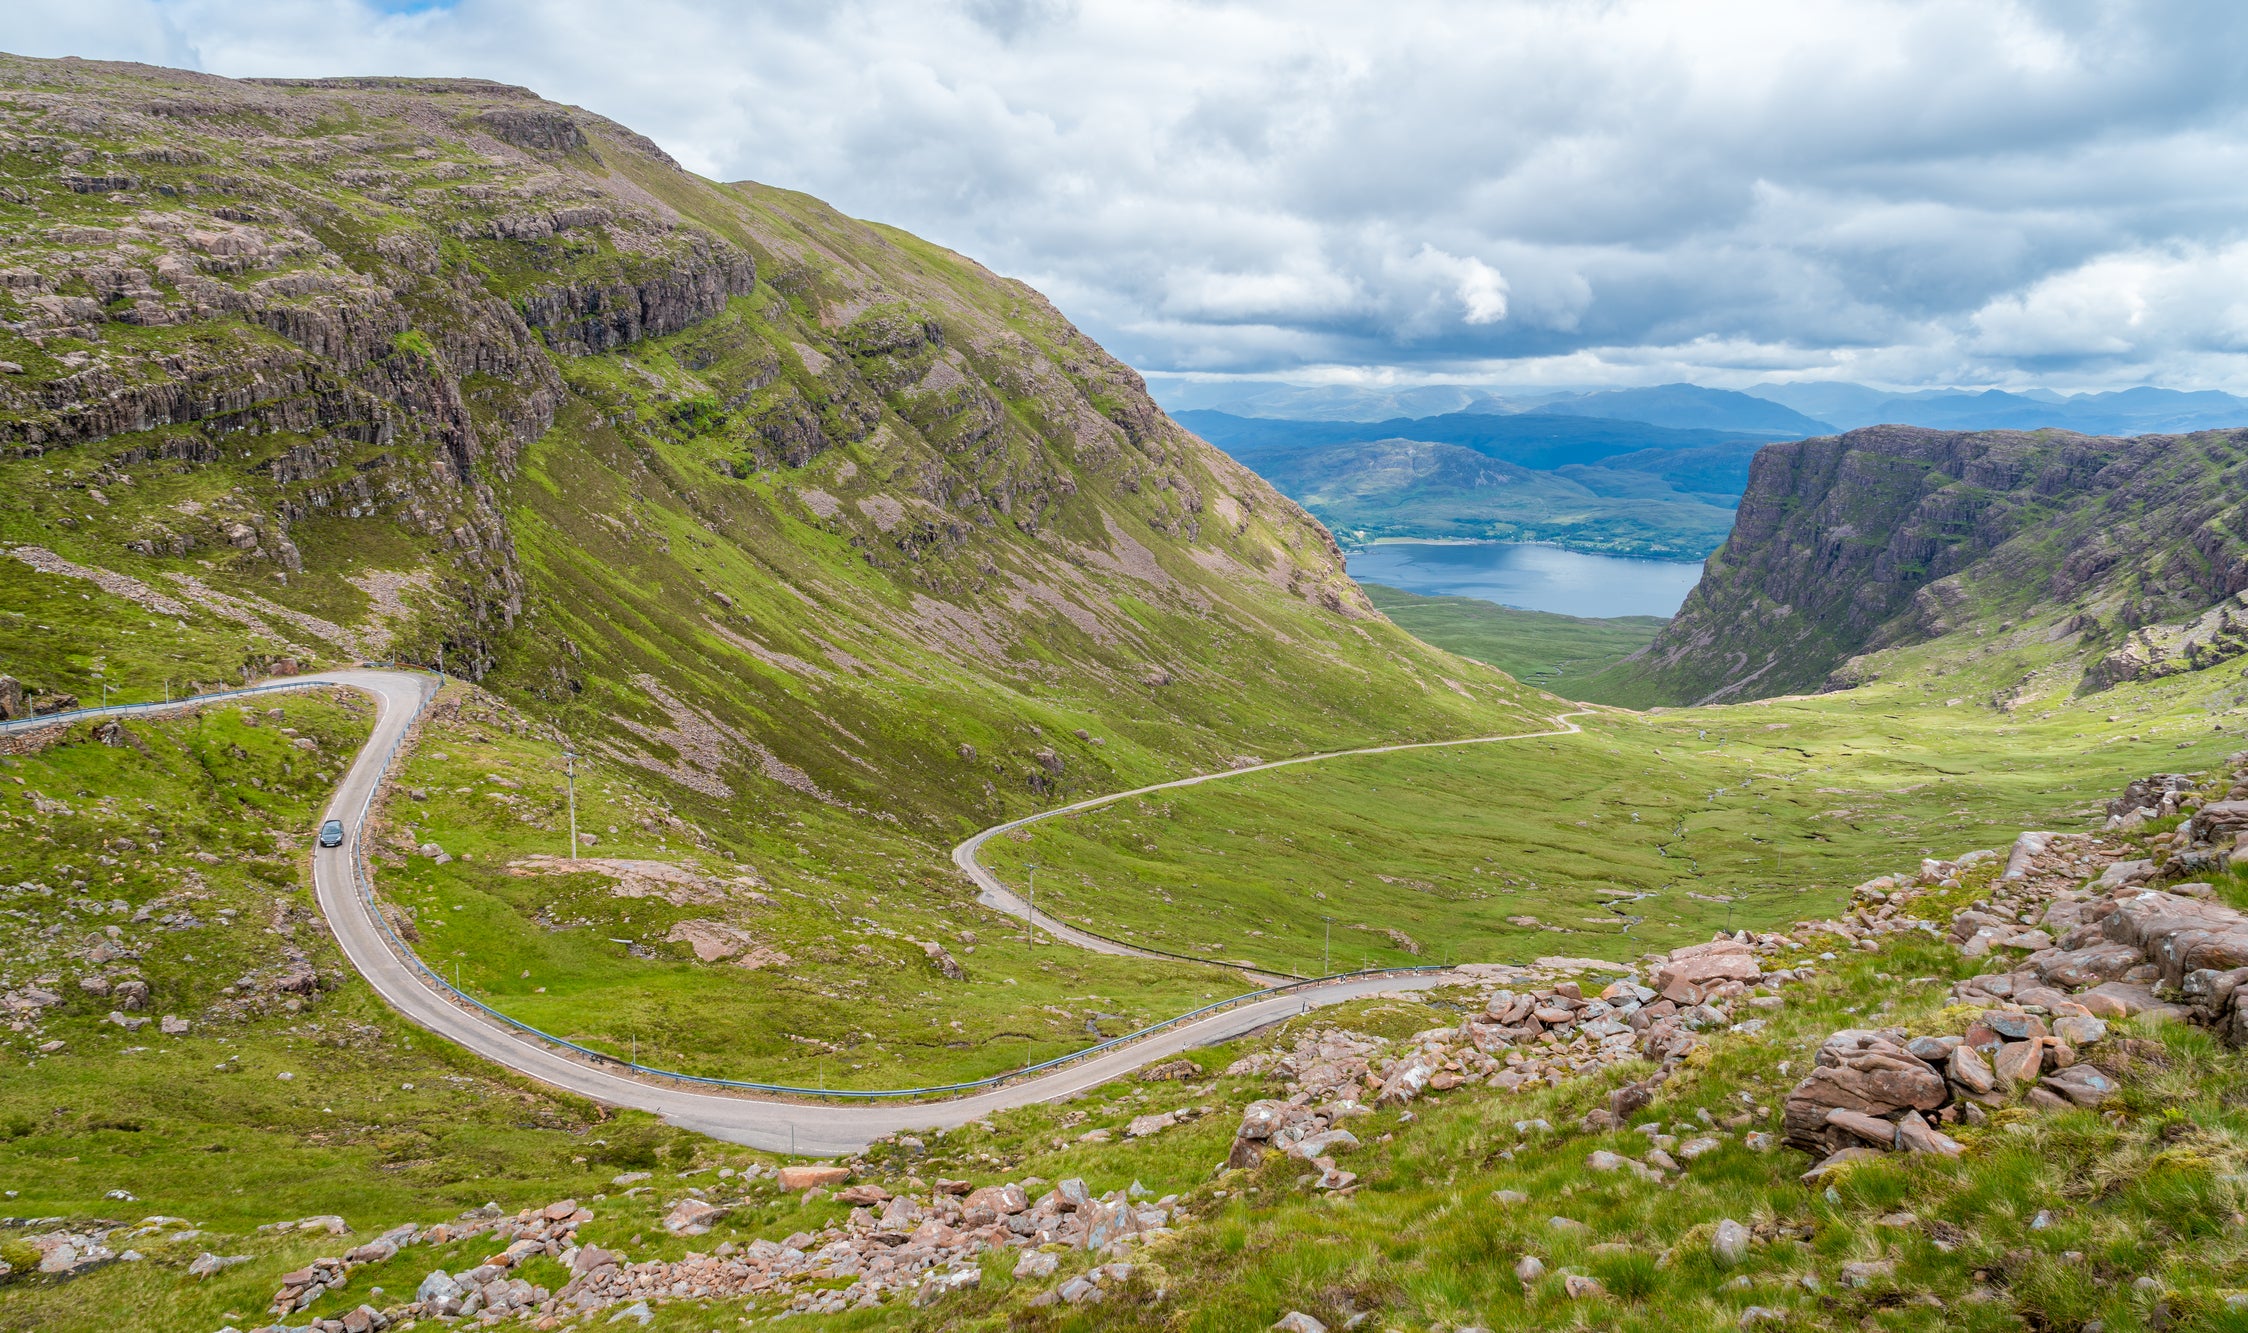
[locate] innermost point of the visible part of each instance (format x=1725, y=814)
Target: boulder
x=1966, y=1068
x=1406, y=1084
x=1324, y=1144
x=2119, y=999
x=2081, y=1085
x=1729, y=1245
x=2018, y=1063
x=2219, y=820
x=1863, y=1071
x=2179, y=934
x=2121, y=873
x=1934, y=1050
x=1148, y=1125
x=991, y=1203
x=1873, y=1129
x=1296, y=1321
x=692, y=1217
x=591, y=1257
x=207, y=1263
x=1915, y=1134
x=1262, y=1119
x=2027, y=848
x=1707, y=969
x=1834, y=1161
x=796, y=1178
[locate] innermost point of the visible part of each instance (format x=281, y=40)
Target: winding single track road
x=995, y=894
x=805, y=1128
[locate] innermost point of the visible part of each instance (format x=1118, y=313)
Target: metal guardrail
x=366, y=888
x=364, y=881
x=69, y=716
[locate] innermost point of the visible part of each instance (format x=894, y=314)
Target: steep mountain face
x=804, y=515
x=1850, y=544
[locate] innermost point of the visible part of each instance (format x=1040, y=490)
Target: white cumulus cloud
x=1980, y=190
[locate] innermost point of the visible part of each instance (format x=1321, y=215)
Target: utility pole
x=570, y=757
x=441, y=662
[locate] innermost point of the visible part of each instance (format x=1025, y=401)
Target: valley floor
x=291, y=1092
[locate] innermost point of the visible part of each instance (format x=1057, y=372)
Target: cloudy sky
x=1603, y=191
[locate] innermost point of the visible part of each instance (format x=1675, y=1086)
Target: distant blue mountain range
x=2142, y=411
x=1690, y=406
x=1788, y=411
x=1654, y=471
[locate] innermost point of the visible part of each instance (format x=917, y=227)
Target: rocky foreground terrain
x=2075, y=951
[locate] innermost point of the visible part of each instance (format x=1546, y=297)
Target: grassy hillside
x=1646, y=831
x=1552, y=652
x=821, y=545
x=817, y=547
x=1425, y=1236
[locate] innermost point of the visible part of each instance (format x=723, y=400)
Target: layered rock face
x=1891, y=535
x=199, y=262
x=339, y=369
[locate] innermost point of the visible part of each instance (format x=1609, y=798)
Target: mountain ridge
x=504, y=359
x=1888, y=536
x=1588, y=483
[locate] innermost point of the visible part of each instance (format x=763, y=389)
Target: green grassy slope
x=809, y=535
x=820, y=547
x=1553, y=652
x=1687, y=821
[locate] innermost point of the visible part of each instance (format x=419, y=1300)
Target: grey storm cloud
x=1975, y=192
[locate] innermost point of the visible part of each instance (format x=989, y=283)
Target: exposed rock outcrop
x=1890, y=535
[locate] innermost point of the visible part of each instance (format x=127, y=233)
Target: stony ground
x=1624, y=1141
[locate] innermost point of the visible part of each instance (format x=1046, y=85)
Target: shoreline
x=1350, y=548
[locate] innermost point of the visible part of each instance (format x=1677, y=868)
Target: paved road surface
x=994, y=893
x=774, y=1124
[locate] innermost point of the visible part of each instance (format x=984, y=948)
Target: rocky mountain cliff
x=799, y=512
x=1849, y=544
